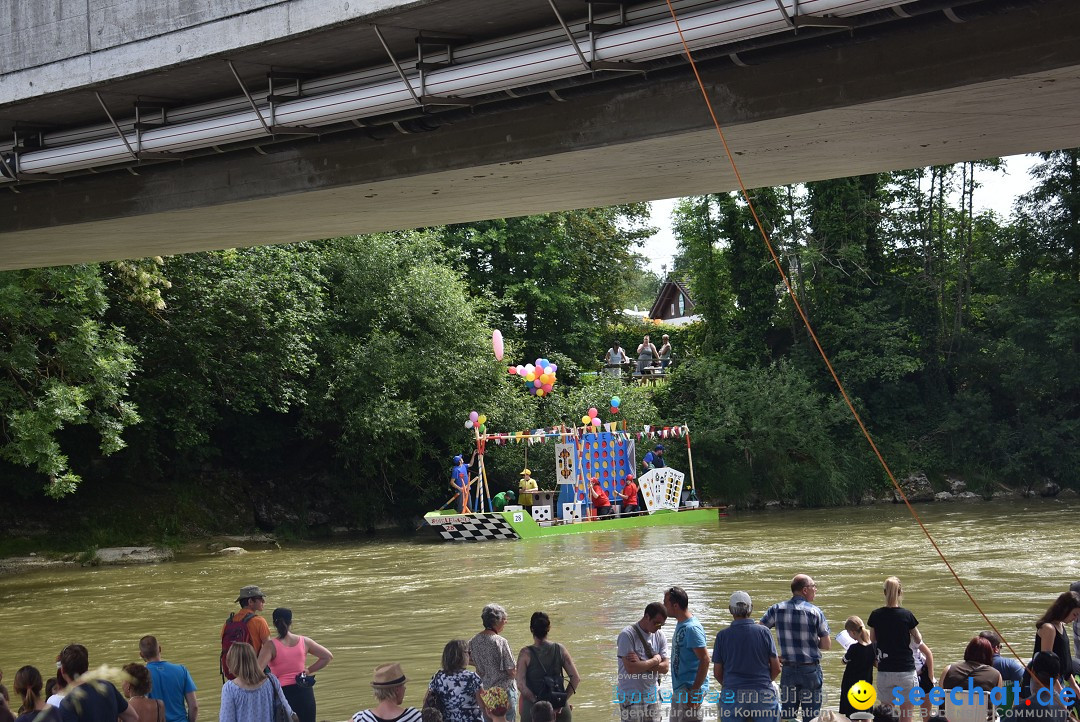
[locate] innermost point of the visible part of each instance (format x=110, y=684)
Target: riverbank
x=27, y=550
x=918, y=488
x=128, y=555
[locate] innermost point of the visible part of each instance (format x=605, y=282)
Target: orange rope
x=810, y=330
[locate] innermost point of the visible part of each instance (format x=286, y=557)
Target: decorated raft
x=602, y=452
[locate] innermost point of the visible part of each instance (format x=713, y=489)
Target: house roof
x=669, y=291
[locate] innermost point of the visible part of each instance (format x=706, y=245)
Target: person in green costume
x=500, y=500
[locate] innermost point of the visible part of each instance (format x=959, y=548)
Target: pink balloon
x=497, y=344
x=538, y=384
x=592, y=413
x=521, y=370
x=547, y=388
x=595, y=421
x=473, y=416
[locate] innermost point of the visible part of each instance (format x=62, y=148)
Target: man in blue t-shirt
x=1011, y=670
x=689, y=659
x=745, y=664
x=172, y=683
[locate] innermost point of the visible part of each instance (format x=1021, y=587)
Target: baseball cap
x=740, y=598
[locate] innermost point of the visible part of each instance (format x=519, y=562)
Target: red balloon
x=512, y=370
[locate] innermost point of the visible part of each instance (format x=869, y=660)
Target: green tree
x=696, y=223
x=1053, y=208
x=235, y=338
x=751, y=273
x=404, y=356
x=64, y=367
x=554, y=280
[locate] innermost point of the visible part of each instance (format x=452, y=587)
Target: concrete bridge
x=109, y=109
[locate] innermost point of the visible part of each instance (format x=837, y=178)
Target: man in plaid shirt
x=802, y=633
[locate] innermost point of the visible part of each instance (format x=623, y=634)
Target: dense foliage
x=328, y=381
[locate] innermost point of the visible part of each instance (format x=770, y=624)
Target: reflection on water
x=401, y=601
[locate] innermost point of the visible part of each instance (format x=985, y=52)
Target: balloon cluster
x=539, y=378
x=477, y=421
x=591, y=418
x=616, y=402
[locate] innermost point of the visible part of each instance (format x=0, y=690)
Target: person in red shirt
x=600, y=499
x=629, y=496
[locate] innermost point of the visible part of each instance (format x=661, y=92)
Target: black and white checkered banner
x=474, y=528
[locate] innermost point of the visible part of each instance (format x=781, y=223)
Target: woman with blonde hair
x=858, y=661
x=252, y=696
x=893, y=629
x=388, y=684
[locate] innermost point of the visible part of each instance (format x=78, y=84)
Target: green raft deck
x=500, y=525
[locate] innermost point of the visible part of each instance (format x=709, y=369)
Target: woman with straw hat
x=388, y=684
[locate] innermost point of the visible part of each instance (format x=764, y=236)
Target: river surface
x=402, y=600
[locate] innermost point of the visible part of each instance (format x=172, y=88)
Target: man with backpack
x=245, y=625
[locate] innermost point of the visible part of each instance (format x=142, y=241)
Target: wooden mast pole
x=480, y=444
x=690, y=459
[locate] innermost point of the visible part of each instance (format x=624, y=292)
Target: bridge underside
x=917, y=93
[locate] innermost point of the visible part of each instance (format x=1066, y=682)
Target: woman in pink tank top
x=287, y=658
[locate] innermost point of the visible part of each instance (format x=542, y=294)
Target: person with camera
x=287, y=658
x=540, y=669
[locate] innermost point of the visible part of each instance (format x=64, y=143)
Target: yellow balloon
x=539, y=392
x=482, y=419
x=586, y=420
x=530, y=376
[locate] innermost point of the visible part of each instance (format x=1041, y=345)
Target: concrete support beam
x=932, y=93
x=50, y=46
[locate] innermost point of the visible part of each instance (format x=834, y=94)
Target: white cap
x=740, y=598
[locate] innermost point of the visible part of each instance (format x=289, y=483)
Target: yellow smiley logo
x=862, y=695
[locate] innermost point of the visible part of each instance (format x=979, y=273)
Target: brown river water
x=402, y=600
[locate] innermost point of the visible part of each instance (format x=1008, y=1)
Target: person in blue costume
x=654, y=459
x=459, y=482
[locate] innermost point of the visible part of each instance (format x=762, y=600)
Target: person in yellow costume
x=526, y=485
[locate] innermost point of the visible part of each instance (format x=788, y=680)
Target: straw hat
x=389, y=675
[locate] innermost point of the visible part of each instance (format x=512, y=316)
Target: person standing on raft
x=526, y=485
x=459, y=482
